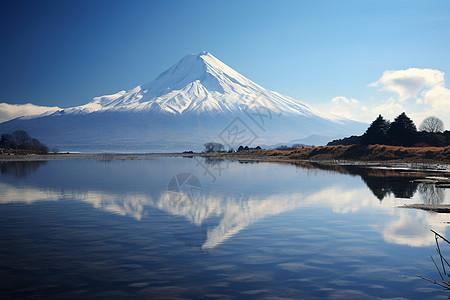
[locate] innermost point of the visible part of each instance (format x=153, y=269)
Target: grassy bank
x=352, y=152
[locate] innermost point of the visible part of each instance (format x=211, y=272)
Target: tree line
x=219, y=148
x=21, y=140
x=401, y=132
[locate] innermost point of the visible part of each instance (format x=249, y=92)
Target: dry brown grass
x=359, y=152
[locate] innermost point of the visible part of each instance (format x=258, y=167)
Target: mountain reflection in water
x=223, y=214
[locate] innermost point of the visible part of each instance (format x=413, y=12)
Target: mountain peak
x=201, y=67
x=203, y=53
x=198, y=83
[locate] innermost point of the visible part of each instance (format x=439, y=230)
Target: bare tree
x=22, y=138
x=214, y=147
x=432, y=124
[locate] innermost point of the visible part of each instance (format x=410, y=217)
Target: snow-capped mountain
x=196, y=84
x=197, y=100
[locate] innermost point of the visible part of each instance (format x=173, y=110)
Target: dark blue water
x=190, y=228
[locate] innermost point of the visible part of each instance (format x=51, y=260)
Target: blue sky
x=330, y=54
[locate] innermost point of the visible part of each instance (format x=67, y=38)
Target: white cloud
x=389, y=108
x=438, y=98
x=425, y=86
x=345, y=100
x=408, y=83
x=11, y=111
x=345, y=107
x=412, y=228
x=342, y=111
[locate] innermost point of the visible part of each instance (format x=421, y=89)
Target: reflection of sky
x=114, y=229
x=245, y=194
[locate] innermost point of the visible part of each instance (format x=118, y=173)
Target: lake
x=195, y=228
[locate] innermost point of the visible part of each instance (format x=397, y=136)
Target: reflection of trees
x=213, y=161
x=381, y=182
x=385, y=183
x=19, y=168
x=430, y=194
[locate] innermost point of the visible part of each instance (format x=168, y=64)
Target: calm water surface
x=195, y=228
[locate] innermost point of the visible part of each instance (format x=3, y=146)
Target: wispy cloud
x=349, y=108
x=11, y=111
x=345, y=100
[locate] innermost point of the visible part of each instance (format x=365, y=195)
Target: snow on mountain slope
x=197, y=84
x=197, y=100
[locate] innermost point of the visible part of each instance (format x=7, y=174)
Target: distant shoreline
x=99, y=156
x=372, y=154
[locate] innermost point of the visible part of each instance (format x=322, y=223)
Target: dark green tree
x=37, y=146
x=21, y=140
x=7, y=141
x=377, y=132
x=214, y=147
x=403, y=131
